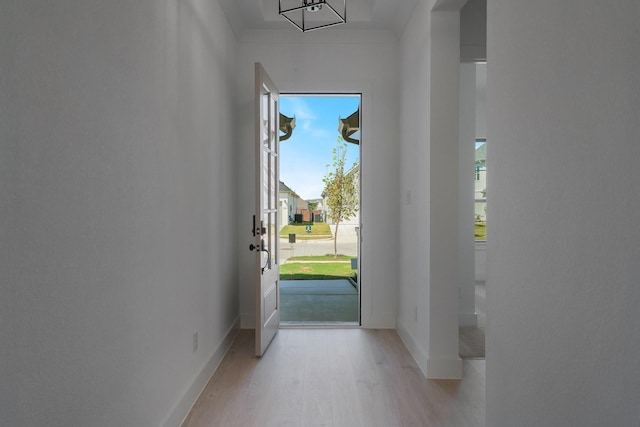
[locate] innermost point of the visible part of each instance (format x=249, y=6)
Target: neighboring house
x=355, y=220
x=480, y=175
x=303, y=210
x=288, y=204
x=301, y=204
x=319, y=213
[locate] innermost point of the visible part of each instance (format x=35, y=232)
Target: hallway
x=335, y=377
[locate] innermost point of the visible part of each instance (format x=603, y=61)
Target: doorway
x=473, y=219
x=319, y=209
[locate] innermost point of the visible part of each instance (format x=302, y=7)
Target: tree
x=340, y=190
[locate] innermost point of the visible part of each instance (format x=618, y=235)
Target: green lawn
x=319, y=230
x=481, y=231
x=315, y=271
x=327, y=257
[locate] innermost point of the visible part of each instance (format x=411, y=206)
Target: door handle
x=262, y=230
x=261, y=248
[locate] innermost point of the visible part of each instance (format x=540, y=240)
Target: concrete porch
x=319, y=302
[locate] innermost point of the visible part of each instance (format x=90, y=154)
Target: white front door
x=265, y=228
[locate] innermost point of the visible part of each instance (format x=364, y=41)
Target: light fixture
x=309, y=15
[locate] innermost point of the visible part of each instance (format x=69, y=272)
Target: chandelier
x=309, y=15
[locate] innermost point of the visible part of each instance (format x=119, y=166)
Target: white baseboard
x=416, y=350
x=378, y=320
x=184, y=405
x=467, y=319
x=444, y=369
x=431, y=368
x=247, y=321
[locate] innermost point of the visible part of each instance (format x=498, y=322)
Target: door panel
x=266, y=231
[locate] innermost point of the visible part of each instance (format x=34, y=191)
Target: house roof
x=349, y=126
x=287, y=125
x=284, y=188
x=354, y=169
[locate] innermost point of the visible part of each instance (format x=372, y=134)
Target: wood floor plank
x=317, y=407
x=374, y=381
x=335, y=377
x=347, y=407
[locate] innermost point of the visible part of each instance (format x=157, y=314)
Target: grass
x=319, y=230
x=327, y=257
x=315, y=271
x=481, y=231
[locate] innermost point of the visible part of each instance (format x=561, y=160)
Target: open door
x=265, y=227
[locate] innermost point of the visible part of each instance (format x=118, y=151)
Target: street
x=347, y=244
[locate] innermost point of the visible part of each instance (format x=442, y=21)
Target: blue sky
x=304, y=157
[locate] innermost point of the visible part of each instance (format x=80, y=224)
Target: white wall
x=466, y=160
x=413, y=320
x=481, y=101
x=481, y=132
x=325, y=62
x=117, y=209
x=444, y=224
x=428, y=304
x=563, y=330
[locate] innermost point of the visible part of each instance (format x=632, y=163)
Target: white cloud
x=301, y=109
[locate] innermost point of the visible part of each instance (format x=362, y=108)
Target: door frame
x=361, y=95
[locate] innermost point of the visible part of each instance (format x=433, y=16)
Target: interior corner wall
x=563, y=331
x=481, y=133
x=333, y=62
x=428, y=304
x=481, y=101
x=466, y=198
x=413, y=200
x=444, y=227
x=117, y=209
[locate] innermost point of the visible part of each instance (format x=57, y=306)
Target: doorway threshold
x=320, y=325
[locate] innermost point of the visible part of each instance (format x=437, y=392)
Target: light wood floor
x=335, y=377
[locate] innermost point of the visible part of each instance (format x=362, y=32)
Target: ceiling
x=391, y=15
